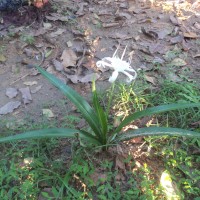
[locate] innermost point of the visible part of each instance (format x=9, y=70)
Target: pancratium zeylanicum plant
x=97, y=120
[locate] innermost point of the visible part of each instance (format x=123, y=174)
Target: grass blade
x=83, y=106
x=50, y=133
x=152, y=111
x=156, y=131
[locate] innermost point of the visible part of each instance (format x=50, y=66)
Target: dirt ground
x=69, y=37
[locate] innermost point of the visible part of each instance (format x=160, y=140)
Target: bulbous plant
x=97, y=120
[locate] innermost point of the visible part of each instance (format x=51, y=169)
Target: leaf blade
x=83, y=106
x=154, y=110
x=156, y=131
x=50, y=133
x=100, y=113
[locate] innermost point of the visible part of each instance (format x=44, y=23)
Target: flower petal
x=130, y=77
x=114, y=76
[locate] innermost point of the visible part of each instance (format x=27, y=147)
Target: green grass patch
x=64, y=169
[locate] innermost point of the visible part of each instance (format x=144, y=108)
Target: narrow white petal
x=130, y=77
x=114, y=76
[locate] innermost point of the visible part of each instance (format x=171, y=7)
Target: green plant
x=178, y=153
x=128, y=100
x=171, y=54
x=96, y=117
x=29, y=39
x=182, y=161
x=171, y=92
x=2, y=48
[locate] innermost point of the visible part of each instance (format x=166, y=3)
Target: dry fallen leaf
x=26, y=95
x=30, y=83
x=150, y=79
x=190, y=35
x=58, y=65
x=40, y=31
x=121, y=36
x=135, y=10
x=98, y=176
x=34, y=72
x=63, y=79
x=104, y=12
x=196, y=55
x=144, y=19
x=13, y=125
x=80, y=11
x=158, y=48
x=170, y=55
x=149, y=33
x=68, y=58
x=90, y=64
x=174, y=20
x=119, y=178
x=89, y=78
x=186, y=45
x=56, y=16
x=69, y=44
x=196, y=5
x=164, y=32
x=117, y=121
x=30, y=52
x=178, y=62
x=47, y=113
x=78, y=33
x=176, y=39
x=2, y=58
x=83, y=79
x=119, y=164
x=195, y=124
x=47, y=25
x=158, y=60
x=57, y=33
x=173, y=77
x=11, y=92
x=126, y=15
x=50, y=69
x=137, y=140
x=161, y=29
x=197, y=25
x=109, y=1
x=33, y=91
x=18, y=29
x=108, y=25
x=9, y=107
x=82, y=123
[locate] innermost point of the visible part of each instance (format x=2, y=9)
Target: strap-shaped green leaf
x=83, y=106
x=152, y=111
x=100, y=114
x=155, y=131
x=50, y=133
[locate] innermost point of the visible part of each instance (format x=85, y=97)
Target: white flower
x=118, y=65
